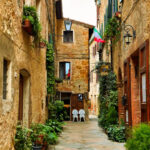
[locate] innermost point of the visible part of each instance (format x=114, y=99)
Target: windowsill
x=68, y=42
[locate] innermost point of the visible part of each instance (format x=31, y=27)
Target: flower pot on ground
x=37, y=147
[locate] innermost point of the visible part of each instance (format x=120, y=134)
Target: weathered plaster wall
x=16, y=46
x=94, y=83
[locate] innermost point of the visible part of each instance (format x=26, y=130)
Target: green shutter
x=116, y=5
x=109, y=9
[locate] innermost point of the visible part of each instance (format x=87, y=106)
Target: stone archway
x=24, y=97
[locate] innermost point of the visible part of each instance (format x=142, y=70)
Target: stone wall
x=16, y=46
x=94, y=82
x=135, y=13
x=77, y=53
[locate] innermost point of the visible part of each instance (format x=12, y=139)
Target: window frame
x=8, y=81
x=72, y=37
x=64, y=78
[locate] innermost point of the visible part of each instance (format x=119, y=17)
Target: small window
x=91, y=77
x=68, y=36
x=38, y=7
x=64, y=70
x=6, y=74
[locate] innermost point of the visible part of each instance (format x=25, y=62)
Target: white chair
x=75, y=114
x=82, y=114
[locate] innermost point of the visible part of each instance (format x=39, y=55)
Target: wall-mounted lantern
x=128, y=36
x=68, y=24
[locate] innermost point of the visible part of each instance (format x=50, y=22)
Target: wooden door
x=76, y=104
x=144, y=80
x=20, y=111
x=127, y=92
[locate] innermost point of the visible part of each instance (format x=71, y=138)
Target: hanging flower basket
x=27, y=26
x=42, y=44
x=118, y=15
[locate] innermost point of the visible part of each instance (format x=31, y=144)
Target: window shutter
x=109, y=9
x=116, y=5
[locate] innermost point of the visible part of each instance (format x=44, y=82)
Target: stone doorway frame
x=24, y=99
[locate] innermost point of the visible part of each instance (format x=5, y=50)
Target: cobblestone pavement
x=85, y=136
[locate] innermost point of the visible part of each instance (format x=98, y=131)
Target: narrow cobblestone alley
x=85, y=136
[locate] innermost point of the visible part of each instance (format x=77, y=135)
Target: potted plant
x=58, y=80
x=22, y=138
x=31, y=22
x=41, y=136
x=37, y=136
x=42, y=43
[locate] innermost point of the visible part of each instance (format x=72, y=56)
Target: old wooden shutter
x=109, y=9
x=5, y=68
x=116, y=5
x=127, y=92
x=144, y=80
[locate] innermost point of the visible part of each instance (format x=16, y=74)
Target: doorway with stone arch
x=24, y=97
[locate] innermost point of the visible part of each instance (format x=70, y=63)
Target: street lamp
x=128, y=37
x=68, y=25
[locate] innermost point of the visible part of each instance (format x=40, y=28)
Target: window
x=64, y=70
x=91, y=76
x=68, y=36
x=94, y=50
x=38, y=7
x=6, y=78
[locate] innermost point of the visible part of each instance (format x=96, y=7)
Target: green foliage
x=140, y=139
x=50, y=69
x=22, y=138
x=56, y=125
x=29, y=12
x=47, y=132
x=116, y=133
x=108, y=116
x=57, y=111
x=113, y=30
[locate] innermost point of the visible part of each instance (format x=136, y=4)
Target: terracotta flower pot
x=27, y=26
x=42, y=44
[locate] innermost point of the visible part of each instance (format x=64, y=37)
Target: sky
x=80, y=10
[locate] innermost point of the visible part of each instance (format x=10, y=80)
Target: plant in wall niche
x=113, y=30
x=31, y=22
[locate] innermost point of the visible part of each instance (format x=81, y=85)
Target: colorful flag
x=97, y=36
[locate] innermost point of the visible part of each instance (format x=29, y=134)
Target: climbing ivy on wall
x=50, y=69
x=108, y=100
x=113, y=30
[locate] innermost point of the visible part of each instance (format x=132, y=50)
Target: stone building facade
x=22, y=70
x=134, y=63
x=131, y=62
x=72, y=65
x=94, y=80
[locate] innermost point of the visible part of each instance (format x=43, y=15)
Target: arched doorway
x=24, y=97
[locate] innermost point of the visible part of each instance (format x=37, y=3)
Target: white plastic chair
x=75, y=114
x=82, y=114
